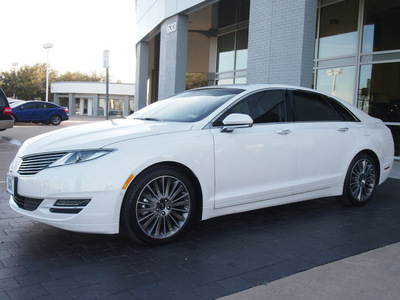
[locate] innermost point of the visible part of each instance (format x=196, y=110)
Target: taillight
x=66, y=109
x=7, y=111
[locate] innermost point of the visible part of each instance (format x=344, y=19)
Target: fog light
x=72, y=202
x=69, y=206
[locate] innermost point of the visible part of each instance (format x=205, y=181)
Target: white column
x=90, y=107
x=81, y=106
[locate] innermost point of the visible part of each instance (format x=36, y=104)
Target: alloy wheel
x=362, y=179
x=163, y=207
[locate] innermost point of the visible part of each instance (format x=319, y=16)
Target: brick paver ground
x=216, y=258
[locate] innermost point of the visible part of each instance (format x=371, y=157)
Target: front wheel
x=361, y=181
x=55, y=120
x=158, y=207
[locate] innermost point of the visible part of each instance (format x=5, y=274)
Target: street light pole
x=14, y=64
x=106, y=65
x=47, y=47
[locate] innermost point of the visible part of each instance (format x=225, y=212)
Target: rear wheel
x=361, y=181
x=158, y=207
x=55, y=120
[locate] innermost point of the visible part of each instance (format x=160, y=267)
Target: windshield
x=189, y=106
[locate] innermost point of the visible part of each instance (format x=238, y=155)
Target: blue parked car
x=39, y=111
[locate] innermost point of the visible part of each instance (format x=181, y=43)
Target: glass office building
x=357, y=56
x=348, y=48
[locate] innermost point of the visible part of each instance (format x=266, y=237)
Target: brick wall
x=281, y=41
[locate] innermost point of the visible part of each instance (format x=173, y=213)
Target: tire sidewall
x=129, y=220
x=58, y=119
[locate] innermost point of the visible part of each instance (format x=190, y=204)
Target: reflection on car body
x=39, y=111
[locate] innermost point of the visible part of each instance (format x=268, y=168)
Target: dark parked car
x=6, y=120
x=39, y=111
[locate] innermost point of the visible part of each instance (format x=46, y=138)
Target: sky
x=80, y=31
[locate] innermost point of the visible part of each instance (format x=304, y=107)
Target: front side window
x=31, y=105
x=262, y=107
x=308, y=107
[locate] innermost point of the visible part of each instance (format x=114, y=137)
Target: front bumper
x=5, y=124
x=96, y=182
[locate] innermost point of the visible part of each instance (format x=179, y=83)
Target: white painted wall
x=149, y=14
x=75, y=87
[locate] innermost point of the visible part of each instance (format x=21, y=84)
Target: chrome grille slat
x=33, y=164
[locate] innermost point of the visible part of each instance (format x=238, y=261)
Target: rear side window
x=308, y=107
x=343, y=112
x=30, y=105
x=51, y=105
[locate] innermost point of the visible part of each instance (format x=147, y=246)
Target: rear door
x=42, y=112
x=325, y=139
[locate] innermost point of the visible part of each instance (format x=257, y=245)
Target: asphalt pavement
x=311, y=250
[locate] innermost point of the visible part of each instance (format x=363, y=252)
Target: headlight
x=76, y=157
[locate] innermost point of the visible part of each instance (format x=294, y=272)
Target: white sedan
x=197, y=155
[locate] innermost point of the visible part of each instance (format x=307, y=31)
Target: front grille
x=33, y=164
x=27, y=203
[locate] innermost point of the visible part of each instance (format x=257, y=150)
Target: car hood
x=97, y=135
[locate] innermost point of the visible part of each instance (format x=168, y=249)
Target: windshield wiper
x=147, y=119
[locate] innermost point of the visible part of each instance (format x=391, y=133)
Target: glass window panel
x=225, y=75
x=241, y=80
x=241, y=49
x=227, y=13
x=337, y=81
x=226, y=52
x=338, y=29
x=381, y=29
x=244, y=10
x=379, y=91
x=225, y=81
x=102, y=107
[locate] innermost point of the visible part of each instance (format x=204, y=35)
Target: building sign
x=171, y=27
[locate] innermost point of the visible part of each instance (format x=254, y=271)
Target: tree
x=195, y=80
x=77, y=76
x=29, y=82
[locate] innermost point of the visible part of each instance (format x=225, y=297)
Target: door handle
x=342, y=129
x=283, y=132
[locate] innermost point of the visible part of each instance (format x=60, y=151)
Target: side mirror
x=233, y=121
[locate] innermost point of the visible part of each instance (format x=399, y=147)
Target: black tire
x=55, y=120
x=158, y=207
x=360, y=182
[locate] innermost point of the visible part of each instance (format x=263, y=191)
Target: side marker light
x=128, y=181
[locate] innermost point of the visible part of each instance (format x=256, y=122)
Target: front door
x=256, y=163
